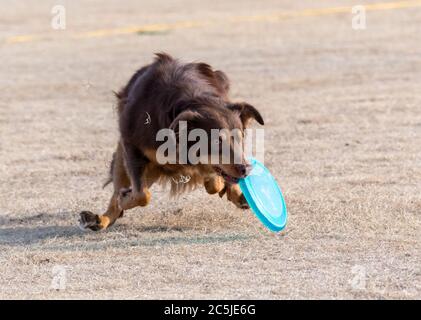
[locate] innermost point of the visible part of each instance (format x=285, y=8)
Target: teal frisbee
x=264, y=197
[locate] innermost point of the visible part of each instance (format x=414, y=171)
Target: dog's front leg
x=235, y=195
x=216, y=184
x=120, y=179
x=138, y=194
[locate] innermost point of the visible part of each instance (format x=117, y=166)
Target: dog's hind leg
x=120, y=179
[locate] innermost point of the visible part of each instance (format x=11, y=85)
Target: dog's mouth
x=228, y=178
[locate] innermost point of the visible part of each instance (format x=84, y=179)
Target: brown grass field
x=342, y=136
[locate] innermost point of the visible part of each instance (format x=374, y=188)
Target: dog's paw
x=242, y=203
x=90, y=221
x=235, y=195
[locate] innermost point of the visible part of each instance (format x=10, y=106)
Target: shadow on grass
x=71, y=238
x=31, y=235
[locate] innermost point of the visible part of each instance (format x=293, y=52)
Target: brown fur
x=168, y=91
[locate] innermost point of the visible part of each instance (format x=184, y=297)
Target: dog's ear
x=247, y=112
x=189, y=116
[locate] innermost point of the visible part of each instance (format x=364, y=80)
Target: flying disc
x=264, y=196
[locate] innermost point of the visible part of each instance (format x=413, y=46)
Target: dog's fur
x=169, y=91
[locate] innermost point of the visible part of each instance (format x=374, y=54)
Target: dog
x=162, y=95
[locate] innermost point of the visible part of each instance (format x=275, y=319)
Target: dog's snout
x=243, y=169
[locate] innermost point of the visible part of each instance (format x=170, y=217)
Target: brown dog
x=158, y=96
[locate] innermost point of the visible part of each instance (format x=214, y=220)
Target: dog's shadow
x=28, y=232
x=16, y=235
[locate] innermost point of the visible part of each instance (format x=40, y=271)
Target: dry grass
x=342, y=137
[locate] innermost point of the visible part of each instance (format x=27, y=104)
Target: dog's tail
x=111, y=172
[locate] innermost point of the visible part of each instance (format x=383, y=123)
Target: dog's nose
x=243, y=169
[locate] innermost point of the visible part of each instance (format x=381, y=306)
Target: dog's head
x=216, y=137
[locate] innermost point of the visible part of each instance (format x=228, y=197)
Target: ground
x=342, y=137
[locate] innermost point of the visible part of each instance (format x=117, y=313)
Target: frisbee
x=264, y=196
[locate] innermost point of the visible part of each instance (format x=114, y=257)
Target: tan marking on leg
x=120, y=180
x=112, y=214
x=128, y=199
